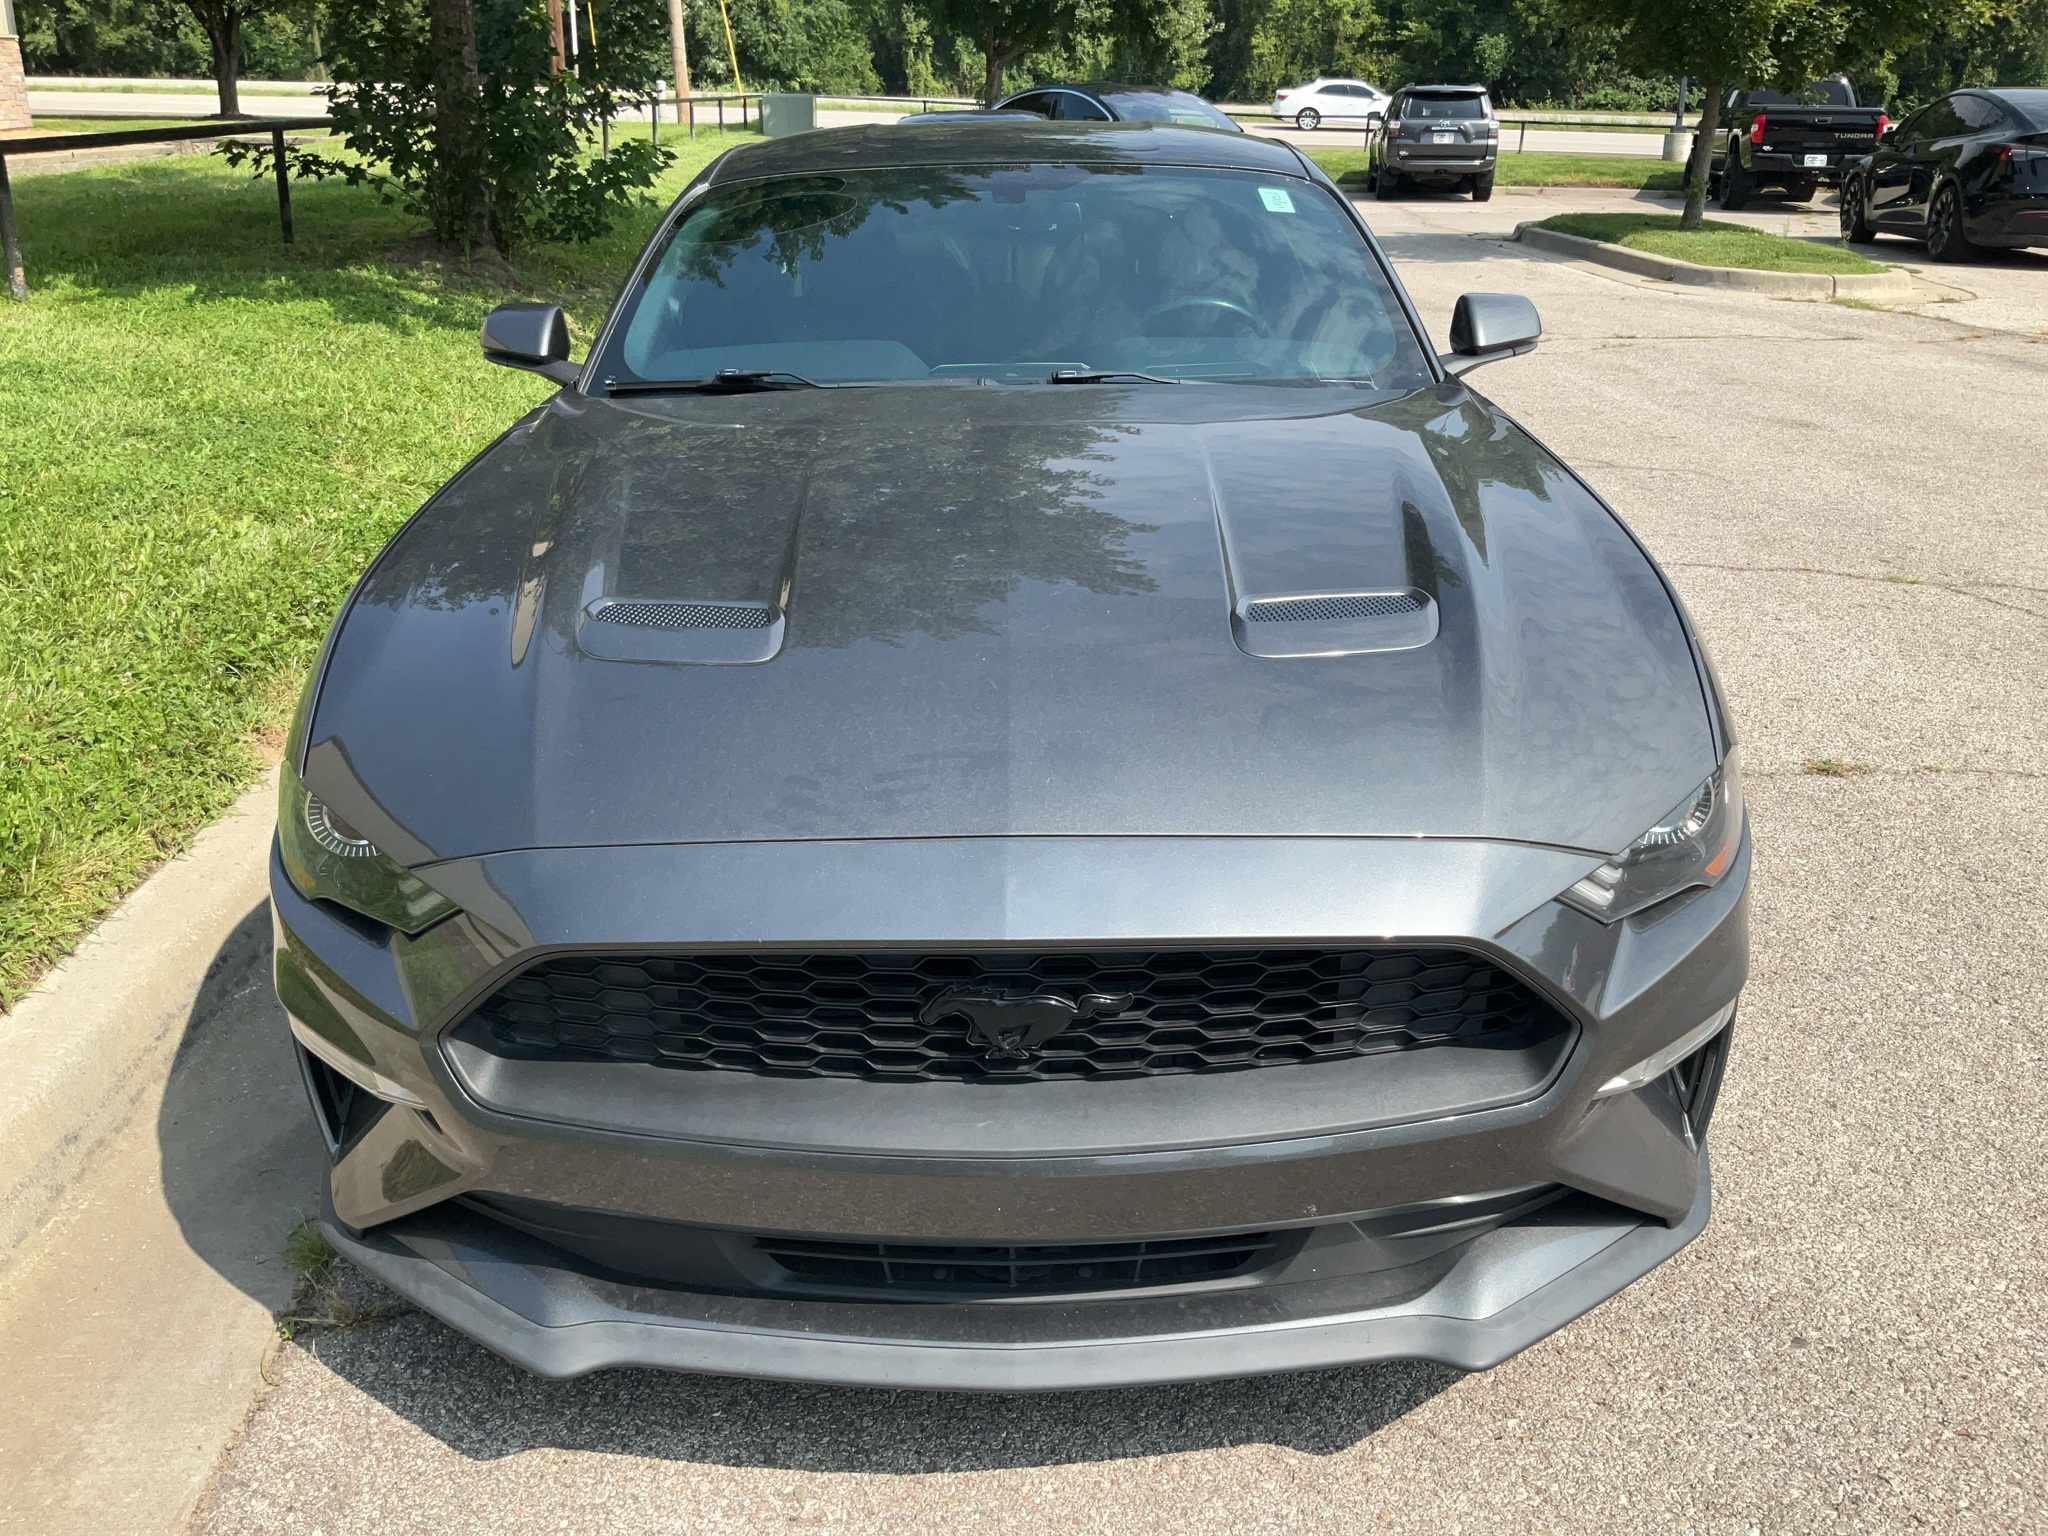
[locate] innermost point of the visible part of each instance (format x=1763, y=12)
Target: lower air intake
x=1044, y=1269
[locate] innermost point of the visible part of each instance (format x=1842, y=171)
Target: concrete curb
x=1893, y=283
x=81, y=1051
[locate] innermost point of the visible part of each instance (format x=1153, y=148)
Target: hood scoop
x=1340, y=563
x=669, y=630
x=1334, y=623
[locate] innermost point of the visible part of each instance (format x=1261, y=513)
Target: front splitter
x=1511, y=1287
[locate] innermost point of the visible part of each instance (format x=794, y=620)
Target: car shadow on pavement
x=484, y=1408
x=240, y=1161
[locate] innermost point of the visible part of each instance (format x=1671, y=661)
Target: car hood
x=1001, y=611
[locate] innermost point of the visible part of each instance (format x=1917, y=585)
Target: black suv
x=1434, y=135
x=1963, y=173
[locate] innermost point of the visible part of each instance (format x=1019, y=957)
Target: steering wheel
x=1259, y=327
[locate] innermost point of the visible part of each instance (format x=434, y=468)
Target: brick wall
x=13, y=90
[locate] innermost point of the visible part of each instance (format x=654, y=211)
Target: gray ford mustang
x=1014, y=785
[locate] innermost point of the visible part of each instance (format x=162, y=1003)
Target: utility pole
x=681, y=53
x=554, y=9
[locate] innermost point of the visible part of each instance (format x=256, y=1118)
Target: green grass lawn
x=1639, y=173
x=1713, y=244
x=203, y=436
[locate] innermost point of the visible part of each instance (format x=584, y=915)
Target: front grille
x=1040, y=1269
x=686, y=615
x=1308, y=610
x=997, y=1016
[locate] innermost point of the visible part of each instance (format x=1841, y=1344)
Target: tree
x=1005, y=30
x=1724, y=44
x=453, y=110
x=223, y=22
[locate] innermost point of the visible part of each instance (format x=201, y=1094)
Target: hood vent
x=1312, y=610
x=1334, y=623
x=685, y=615
x=685, y=633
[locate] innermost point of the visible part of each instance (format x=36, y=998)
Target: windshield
x=1167, y=107
x=1443, y=107
x=1015, y=273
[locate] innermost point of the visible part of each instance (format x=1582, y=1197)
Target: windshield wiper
x=727, y=381
x=1081, y=376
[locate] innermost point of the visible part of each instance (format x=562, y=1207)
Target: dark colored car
x=1796, y=141
x=1966, y=173
x=1100, y=103
x=1013, y=785
x=1435, y=136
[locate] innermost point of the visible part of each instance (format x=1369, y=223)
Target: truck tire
x=1802, y=190
x=1945, y=238
x=1387, y=185
x=1736, y=182
x=1482, y=188
x=1856, y=228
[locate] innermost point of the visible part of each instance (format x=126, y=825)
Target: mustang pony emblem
x=1013, y=1025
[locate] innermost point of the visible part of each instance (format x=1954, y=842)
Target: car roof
x=2030, y=102
x=1443, y=90
x=881, y=146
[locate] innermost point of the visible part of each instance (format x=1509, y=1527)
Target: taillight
x=1883, y=122
x=1756, y=129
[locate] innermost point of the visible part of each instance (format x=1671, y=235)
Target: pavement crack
x=1889, y=581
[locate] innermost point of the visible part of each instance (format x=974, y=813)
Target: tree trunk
x=998, y=55
x=223, y=28
x=461, y=197
x=554, y=11
x=679, y=51
x=1702, y=160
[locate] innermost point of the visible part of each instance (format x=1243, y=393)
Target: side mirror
x=1888, y=136
x=530, y=336
x=1488, y=326
x=1375, y=119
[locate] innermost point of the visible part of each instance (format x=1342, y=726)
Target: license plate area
x=1814, y=162
x=1443, y=138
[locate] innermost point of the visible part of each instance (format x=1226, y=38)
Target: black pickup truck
x=1792, y=140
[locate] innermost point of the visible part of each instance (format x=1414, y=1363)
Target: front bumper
x=1509, y=1288
x=1311, y=1153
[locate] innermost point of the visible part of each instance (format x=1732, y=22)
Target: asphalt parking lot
x=1852, y=502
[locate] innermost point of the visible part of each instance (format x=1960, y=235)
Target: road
x=51, y=102
x=1852, y=503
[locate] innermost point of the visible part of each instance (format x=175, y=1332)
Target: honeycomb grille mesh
x=686, y=615
x=1047, y=1268
x=875, y=1016
x=1310, y=610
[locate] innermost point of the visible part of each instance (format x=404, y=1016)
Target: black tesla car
x=1013, y=784
x=1966, y=174
x=1104, y=103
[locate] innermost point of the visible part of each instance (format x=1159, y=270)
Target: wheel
x=1855, y=213
x=1308, y=119
x=1802, y=191
x=1387, y=186
x=1482, y=188
x=1945, y=238
x=1736, y=183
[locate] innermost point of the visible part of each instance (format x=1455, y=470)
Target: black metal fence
x=50, y=143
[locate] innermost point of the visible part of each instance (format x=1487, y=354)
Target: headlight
x=1692, y=846
x=329, y=860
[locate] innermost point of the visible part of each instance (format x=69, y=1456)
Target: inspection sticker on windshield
x=1276, y=200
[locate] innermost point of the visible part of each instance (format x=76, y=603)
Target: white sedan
x=1335, y=101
